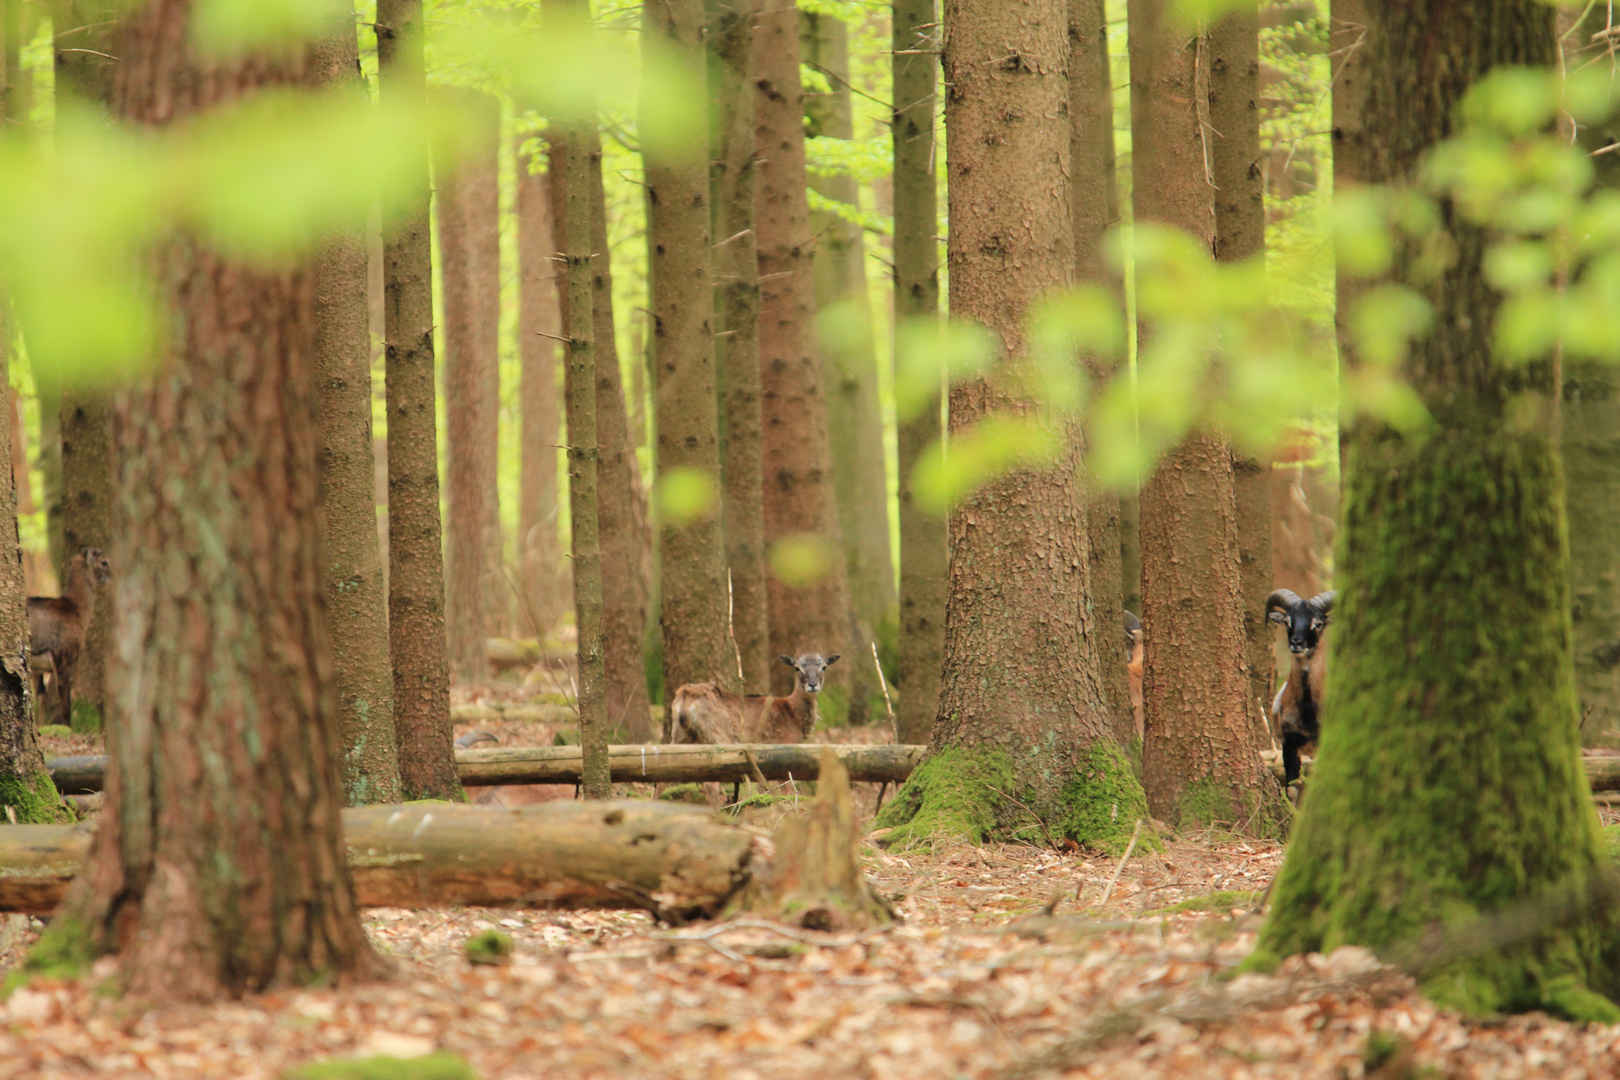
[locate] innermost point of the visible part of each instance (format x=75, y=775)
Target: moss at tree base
x=1262, y=813
x=63, y=951
x=33, y=799
x=973, y=795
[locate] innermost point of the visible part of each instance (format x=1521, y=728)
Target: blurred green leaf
x=1360, y=231
x=801, y=559
x=996, y=446
x=1514, y=100
x=1518, y=264
x=931, y=351
x=1384, y=319
x=1527, y=326
x=234, y=27
x=684, y=495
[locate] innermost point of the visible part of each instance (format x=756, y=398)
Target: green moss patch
x=86, y=718
x=430, y=1067
x=33, y=799
x=63, y=951
x=1103, y=801
x=953, y=796
x=1223, y=900
x=490, y=947
x=687, y=793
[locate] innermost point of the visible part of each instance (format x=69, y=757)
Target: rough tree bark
x=1022, y=726
x=694, y=608
x=621, y=511
x=218, y=865
x=736, y=275
x=849, y=362
x=923, y=554
x=356, y=599
x=469, y=256
x=416, y=632
x=1201, y=744
x=1240, y=234
x=1453, y=538
x=542, y=570
x=1094, y=206
x=1590, y=435
x=809, y=612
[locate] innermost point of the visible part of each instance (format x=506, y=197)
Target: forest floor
x=976, y=982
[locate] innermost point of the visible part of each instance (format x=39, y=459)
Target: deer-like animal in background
x=1297, y=708
x=57, y=626
x=704, y=713
x=1133, y=666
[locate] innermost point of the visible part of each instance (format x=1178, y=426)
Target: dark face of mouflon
x=1303, y=619
x=811, y=667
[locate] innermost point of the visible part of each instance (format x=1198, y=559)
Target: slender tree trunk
x=1022, y=726
x=1094, y=205
x=923, y=554
x=695, y=604
x=356, y=599
x=583, y=401
x=1200, y=752
x=849, y=359
x=469, y=253
x=808, y=602
x=416, y=631
x=1590, y=434
x=223, y=791
x=1240, y=234
x=621, y=507
x=1418, y=750
x=49, y=462
x=736, y=275
x=543, y=570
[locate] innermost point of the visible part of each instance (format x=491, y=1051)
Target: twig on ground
x=1130, y=847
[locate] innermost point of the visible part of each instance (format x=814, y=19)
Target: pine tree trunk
x=621, y=509
x=1590, y=436
x=356, y=598
x=1240, y=235
x=579, y=186
x=1022, y=728
x=1454, y=539
x=543, y=572
x=923, y=554
x=809, y=611
x=469, y=253
x=849, y=362
x=694, y=612
x=1094, y=206
x=1201, y=744
x=416, y=632
x=218, y=865
x=736, y=275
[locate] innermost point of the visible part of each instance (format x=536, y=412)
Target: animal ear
x=1277, y=616
x=788, y=660
x=833, y=659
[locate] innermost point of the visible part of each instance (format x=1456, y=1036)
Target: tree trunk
x=736, y=274
x=1094, y=205
x=416, y=632
x=356, y=598
x=218, y=863
x=923, y=554
x=86, y=499
x=695, y=604
x=1590, y=434
x=1022, y=727
x=1454, y=539
x=1240, y=235
x=808, y=584
x=621, y=511
x=469, y=254
x=543, y=572
x=1201, y=743
x=49, y=461
x=849, y=359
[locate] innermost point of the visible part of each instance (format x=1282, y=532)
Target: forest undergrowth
x=986, y=977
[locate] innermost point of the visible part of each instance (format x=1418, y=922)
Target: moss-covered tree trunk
x=1201, y=743
x=807, y=590
x=923, y=554
x=1453, y=787
x=542, y=571
x=1590, y=437
x=736, y=277
x=1240, y=235
x=1094, y=206
x=356, y=599
x=469, y=255
x=1023, y=729
x=218, y=865
x=416, y=634
x=695, y=605
x=849, y=365
x=620, y=501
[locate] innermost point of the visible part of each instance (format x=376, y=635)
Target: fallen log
x=1602, y=771
x=678, y=862
x=628, y=764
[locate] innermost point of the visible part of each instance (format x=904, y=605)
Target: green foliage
x=429, y=1067
x=489, y=947
x=57, y=731
x=63, y=951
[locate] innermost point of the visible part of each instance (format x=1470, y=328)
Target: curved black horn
x=1282, y=599
x=1323, y=602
